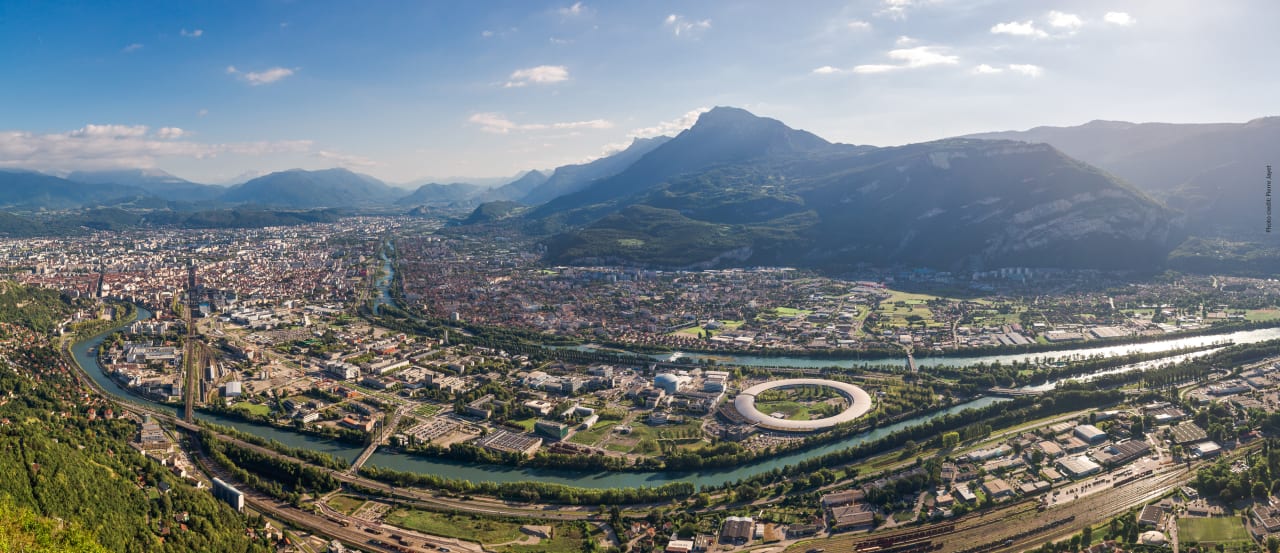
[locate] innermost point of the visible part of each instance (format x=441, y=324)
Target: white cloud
x=827, y=70
x=256, y=78
x=131, y=48
x=910, y=58
x=685, y=27
x=904, y=40
x=345, y=160
x=120, y=146
x=985, y=69
x=922, y=56
x=203, y=112
x=575, y=10
x=170, y=133
x=109, y=131
x=1068, y=21
x=875, y=68
x=542, y=74
x=859, y=25
x=560, y=41
x=670, y=127
x=197, y=33
x=1119, y=18
x=665, y=128
x=1018, y=28
x=894, y=9
x=498, y=124
x=1027, y=69
x=486, y=33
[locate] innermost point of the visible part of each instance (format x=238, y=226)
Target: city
x=857, y=276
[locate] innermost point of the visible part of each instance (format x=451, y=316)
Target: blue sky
x=408, y=89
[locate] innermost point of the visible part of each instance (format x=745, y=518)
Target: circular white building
x=859, y=404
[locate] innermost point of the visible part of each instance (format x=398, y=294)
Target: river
x=83, y=352
x=84, y=355
x=1238, y=337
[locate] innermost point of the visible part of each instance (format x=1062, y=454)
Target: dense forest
x=57, y=464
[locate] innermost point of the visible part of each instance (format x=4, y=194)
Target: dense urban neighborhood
x=370, y=358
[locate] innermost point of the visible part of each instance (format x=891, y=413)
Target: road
x=996, y=526
x=383, y=434
x=357, y=535
x=411, y=497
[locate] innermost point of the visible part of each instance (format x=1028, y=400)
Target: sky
x=409, y=90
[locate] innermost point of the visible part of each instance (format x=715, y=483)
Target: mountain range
x=1215, y=173
x=740, y=189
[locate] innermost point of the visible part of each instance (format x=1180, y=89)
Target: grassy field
x=1259, y=315
x=1213, y=530
x=252, y=408
x=697, y=331
x=426, y=409
x=567, y=537
x=527, y=424
x=644, y=439
x=791, y=312
x=794, y=410
x=345, y=504
x=894, y=311
x=602, y=428
x=456, y=526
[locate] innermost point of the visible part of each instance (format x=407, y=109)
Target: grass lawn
x=345, y=504
x=527, y=424
x=252, y=408
x=1258, y=315
x=697, y=331
x=567, y=536
x=1215, y=530
x=791, y=312
x=908, y=297
x=795, y=411
x=456, y=526
x=593, y=436
x=427, y=409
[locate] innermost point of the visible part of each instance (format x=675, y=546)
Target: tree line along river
x=84, y=353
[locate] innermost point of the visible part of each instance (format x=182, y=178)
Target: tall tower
x=192, y=298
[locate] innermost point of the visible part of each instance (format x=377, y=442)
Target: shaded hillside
x=572, y=178
x=299, y=189
x=490, y=212
x=516, y=189
x=35, y=191
x=742, y=189
x=1213, y=172
x=722, y=136
x=154, y=182
x=435, y=193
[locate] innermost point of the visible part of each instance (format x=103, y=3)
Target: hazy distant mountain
x=155, y=181
x=434, y=193
x=482, y=182
x=301, y=189
x=243, y=178
x=31, y=190
x=516, y=189
x=572, y=178
x=1213, y=172
x=740, y=189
